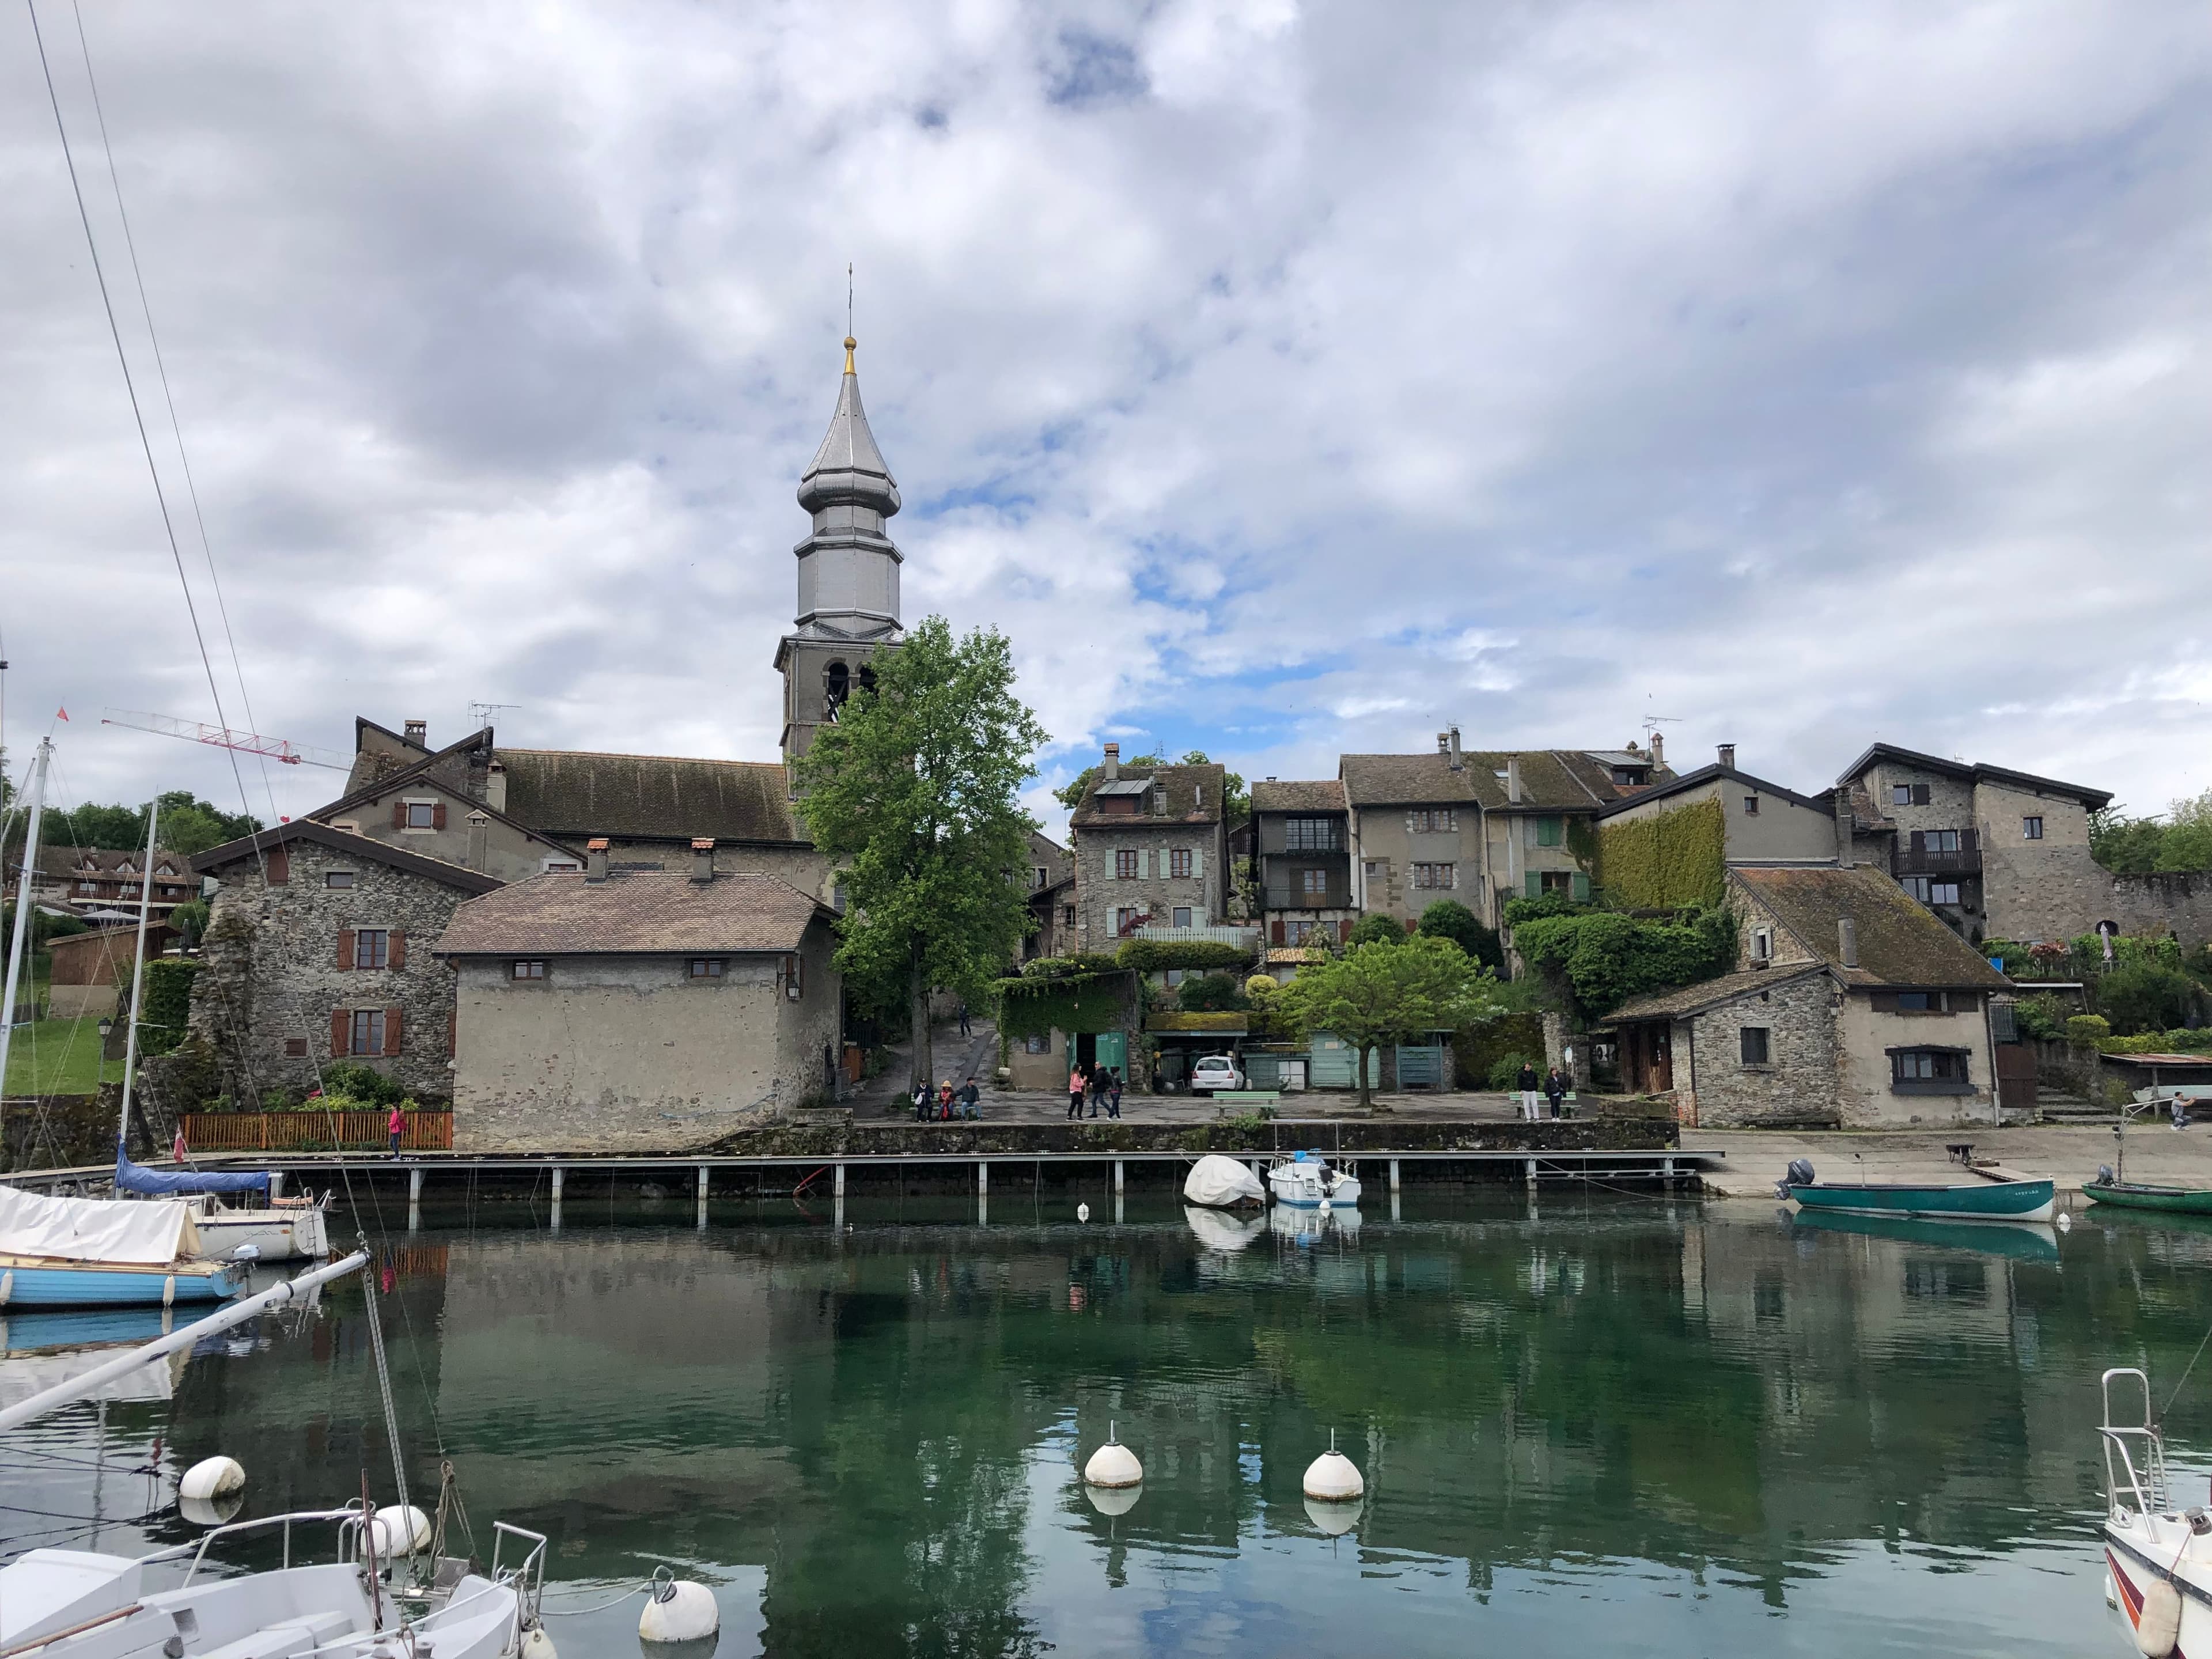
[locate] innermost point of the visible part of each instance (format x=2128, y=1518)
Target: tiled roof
x=1705, y=774
x=1318, y=795
x=1706, y=993
x=1193, y=797
x=1551, y=779
x=1975, y=771
x=564, y=912
x=69, y=861
x=575, y=793
x=242, y=851
x=1900, y=942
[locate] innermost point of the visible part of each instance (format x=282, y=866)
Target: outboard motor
x=1801, y=1172
x=2104, y=1175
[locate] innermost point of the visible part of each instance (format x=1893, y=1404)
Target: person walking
x=1526, y=1083
x=963, y=1019
x=1075, y=1092
x=395, y=1126
x=1555, y=1088
x=1114, y=1092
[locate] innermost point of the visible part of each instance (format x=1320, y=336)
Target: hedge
x=1666, y=861
x=2158, y=1042
x=1604, y=958
x=1151, y=956
x=169, y=1004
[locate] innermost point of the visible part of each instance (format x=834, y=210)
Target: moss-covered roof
x=1900, y=942
x=1686, y=1000
x=574, y=793
x=1551, y=779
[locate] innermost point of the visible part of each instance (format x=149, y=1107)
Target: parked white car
x=1216, y=1072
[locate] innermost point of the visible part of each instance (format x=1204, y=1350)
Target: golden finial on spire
x=849, y=344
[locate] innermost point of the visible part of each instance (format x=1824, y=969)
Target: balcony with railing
x=1940, y=853
x=1337, y=895
x=1245, y=936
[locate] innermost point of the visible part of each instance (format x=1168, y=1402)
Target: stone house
x=1050, y=879
x=1148, y=847
x=318, y=949
x=1480, y=827
x=1849, y=1003
x=606, y=1010
x=1301, y=860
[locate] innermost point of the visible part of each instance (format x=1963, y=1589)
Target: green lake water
x=1608, y=1425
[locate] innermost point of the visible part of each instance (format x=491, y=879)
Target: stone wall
x=629, y=1053
x=2033, y=891
x=269, y=978
x=63, y=1132
x=1099, y=891
x=1795, y=1088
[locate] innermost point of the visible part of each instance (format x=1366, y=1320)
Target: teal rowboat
x=2132, y=1195
x=1980, y=1200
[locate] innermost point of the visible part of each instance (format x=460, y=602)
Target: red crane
x=217, y=737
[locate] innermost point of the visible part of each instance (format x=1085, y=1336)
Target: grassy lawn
x=58, y=1057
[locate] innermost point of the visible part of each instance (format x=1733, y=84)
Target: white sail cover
x=152, y=1233
x=1217, y=1182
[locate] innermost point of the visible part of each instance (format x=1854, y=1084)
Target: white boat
x=2158, y=1559
x=1221, y=1183
x=289, y=1229
x=1304, y=1180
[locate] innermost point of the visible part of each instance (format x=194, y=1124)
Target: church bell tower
x=848, y=573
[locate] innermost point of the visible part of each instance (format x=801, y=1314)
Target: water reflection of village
x=881, y=1421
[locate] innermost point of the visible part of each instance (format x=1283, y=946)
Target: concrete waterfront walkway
x=2067, y=1153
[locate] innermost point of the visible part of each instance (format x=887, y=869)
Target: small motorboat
x=2158, y=1559
x=94, y=1253
x=2140, y=1195
x=1994, y=1197
x=1221, y=1183
x=1305, y=1181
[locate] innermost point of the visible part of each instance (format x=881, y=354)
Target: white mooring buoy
x=536, y=1644
x=400, y=1530
x=1333, y=1520
x=211, y=1511
x=212, y=1477
x=1083, y=1212
x=678, y=1610
x=1332, y=1479
x=1112, y=1466
x=2065, y=1221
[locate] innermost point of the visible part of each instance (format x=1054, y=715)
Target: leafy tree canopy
x=915, y=792
x=1377, y=993
x=1597, y=960
x=1376, y=928
x=1449, y=919
x=189, y=825
x=2139, y=846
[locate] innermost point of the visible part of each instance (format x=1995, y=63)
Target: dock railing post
x=557, y=1173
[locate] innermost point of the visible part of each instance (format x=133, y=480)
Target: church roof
x=849, y=467
x=572, y=793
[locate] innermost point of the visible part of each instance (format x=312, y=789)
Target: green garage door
x=1422, y=1067
x=1334, y=1061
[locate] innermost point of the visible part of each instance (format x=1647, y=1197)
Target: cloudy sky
x=1282, y=379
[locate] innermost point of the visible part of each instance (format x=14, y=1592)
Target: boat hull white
x=274, y=1235
x=1305, y=1184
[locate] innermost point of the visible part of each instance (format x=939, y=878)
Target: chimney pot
x=418, y=731
x=1844, y=826
x=702, y=859
x=1847, y=941
x=1728, y=756
x=1112, y=770
x=595, y=859
x=479, y=839
x=1452, y=733
x=1513, y=779
x=495, y=787
x=1658, y=749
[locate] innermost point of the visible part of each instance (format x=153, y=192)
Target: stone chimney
x=1658, y=750
x=479, y=839
x=702, y=859
x=1843, y=826
x=1513, y=779
x=417, y=731
x=1847, y=941
x=1451, y=748
x=495, y=793
x=1112, y=770
x=595, y=859
x=1728, y=758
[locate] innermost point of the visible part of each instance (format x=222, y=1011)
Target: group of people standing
x=1100, y=1085
x=1552, y=1087
x=948, y=1104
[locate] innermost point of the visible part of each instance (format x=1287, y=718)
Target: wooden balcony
x=1916, y=858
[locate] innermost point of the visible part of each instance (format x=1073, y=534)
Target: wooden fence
x=311, y=1131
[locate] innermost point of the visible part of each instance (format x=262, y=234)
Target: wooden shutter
x=392, y=1031
x=399, y=815
x=1919, y=843
x=1198, y=861
x=1277, y=925
x=341, y=1033
x=345, y=949
x=1344, y=933
x=1532, y=884
x=278, y=862
x=453, y=1030
x=1581, y=891
x=396, y=950
x=438, y=816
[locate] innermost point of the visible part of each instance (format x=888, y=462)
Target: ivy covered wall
x=1666, y=861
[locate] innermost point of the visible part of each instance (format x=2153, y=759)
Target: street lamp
x=106, y=1026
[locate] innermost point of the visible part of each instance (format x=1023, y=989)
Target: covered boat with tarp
x=1221, y=1183
x=284, y=1230
x=95, y=1253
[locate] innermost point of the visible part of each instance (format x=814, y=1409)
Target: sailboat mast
x=137, y=976
x=24, y=905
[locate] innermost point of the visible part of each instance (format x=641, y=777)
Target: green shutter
x=1581, y=888
x=1535, y=884
x=1547, y=832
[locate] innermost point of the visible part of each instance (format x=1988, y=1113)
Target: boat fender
x=536, y=1644
x=2158, y=1625
x=1112, y=1466
x=2065, y=1222
x=2104, y=1175
x=401, y=1531
x=1332, y=1478
x=1083, y=1212
x=678, y=1610
x=212, y=1477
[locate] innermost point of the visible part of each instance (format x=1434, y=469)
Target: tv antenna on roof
x=1652, y=722
x=480, y=714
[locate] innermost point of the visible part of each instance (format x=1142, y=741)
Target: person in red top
x=396, y=1126
x=177, y=1147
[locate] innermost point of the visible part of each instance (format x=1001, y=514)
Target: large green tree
x=916, y=792
x=1382, y=992
x=189, y=825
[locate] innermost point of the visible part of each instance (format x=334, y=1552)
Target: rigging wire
x=176, y=427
